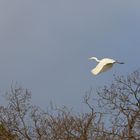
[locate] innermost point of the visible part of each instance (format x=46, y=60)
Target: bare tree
x=5, y=134
x=118, y=103
x=15, y=115
x=122, y=101
x=29, y=122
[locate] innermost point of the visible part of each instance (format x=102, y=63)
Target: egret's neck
x=96, y=59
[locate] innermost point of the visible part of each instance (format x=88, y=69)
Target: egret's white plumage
x=103, y=65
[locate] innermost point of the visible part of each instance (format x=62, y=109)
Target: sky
x=45, y=46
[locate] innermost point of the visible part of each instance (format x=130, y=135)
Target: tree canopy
x=118, y=102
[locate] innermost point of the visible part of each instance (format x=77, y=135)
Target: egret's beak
x=91, y=58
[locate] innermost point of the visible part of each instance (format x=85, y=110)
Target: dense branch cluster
x=116, y=117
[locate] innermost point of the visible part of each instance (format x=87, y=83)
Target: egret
x=103, y=65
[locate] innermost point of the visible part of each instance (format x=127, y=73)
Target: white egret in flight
x=103, y=65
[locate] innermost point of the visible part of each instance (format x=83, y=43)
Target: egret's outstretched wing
x=101, y=67
x=97, y=69
x=104, y=65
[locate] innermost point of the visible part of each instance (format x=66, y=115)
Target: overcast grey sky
x=45, y=45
